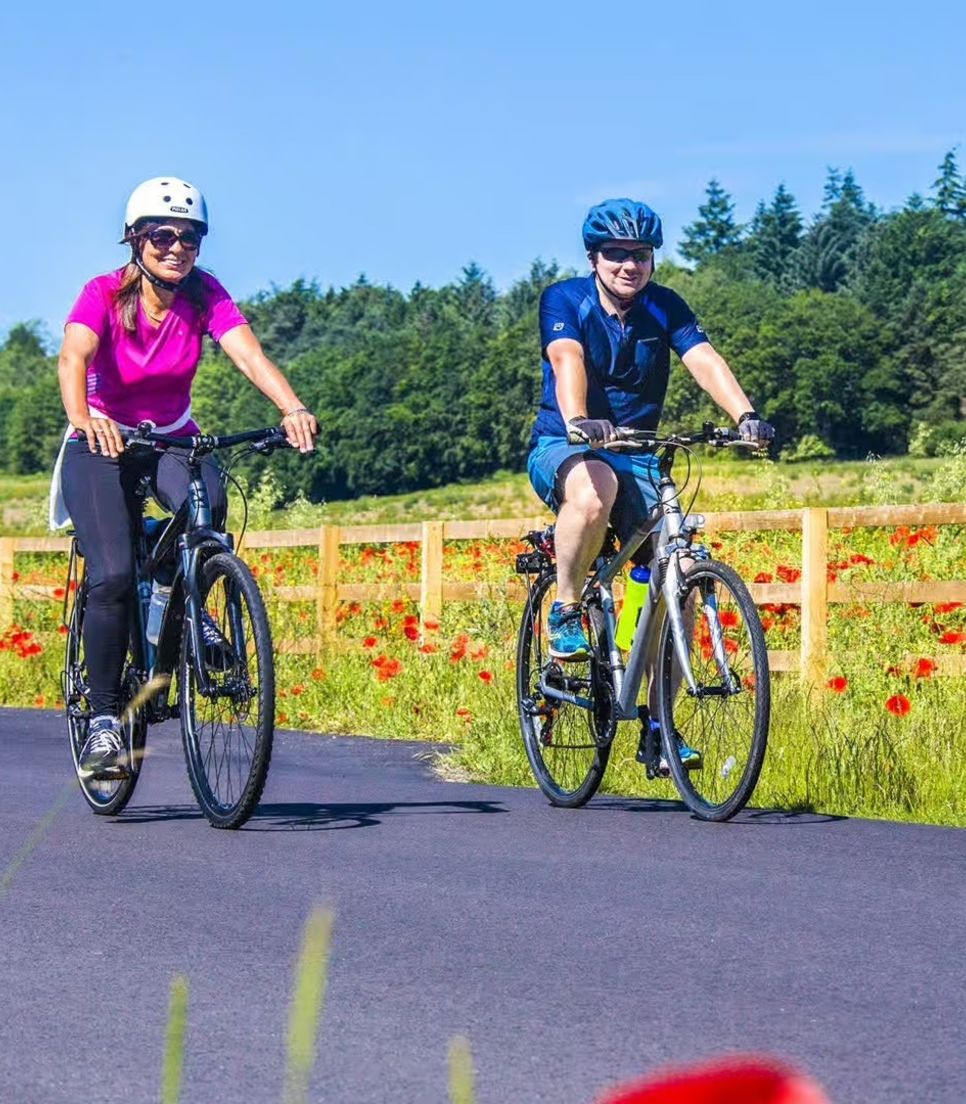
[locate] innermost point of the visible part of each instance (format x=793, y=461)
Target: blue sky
x=404, y=140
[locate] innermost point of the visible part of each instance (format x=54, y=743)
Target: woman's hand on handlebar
x=102, y=434
x=301, y=429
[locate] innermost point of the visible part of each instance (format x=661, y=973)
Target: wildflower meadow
x=884, y=737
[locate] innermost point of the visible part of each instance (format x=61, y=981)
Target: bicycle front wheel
x=726, y=716
x=568, y=745
x=227, y=730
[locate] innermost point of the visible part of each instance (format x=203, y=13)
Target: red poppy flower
x=728, y=619
x=428, y=649
x=899, y=705
x=764, y=577
x=369, y=642
x=388, y=669
x=411, y=632
x=486, y=676
x=746, y=1078
x=858, y=558
x=788, y=574
x=398, y=606
x=953, y=638
x=430, y=624
x=924, y=668
x=839, y=684
x=947, y=607
x=318, y=675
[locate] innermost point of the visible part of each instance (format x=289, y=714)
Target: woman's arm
x=245, y=352
x=76, y=353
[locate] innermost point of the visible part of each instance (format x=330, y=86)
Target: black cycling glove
x=755, y=430
x=590, y=431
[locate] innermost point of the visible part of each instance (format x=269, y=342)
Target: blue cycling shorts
x=637, y=478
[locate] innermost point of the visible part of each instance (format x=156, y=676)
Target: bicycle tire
x=572, y=777
x=106, y=797
x=727, y=721
x=228, y=756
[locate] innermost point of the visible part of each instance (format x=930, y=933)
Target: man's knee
x=590, y=486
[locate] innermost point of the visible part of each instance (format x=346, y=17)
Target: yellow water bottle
x=635, y=595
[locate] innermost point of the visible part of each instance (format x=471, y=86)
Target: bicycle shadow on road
x=747, y=817
x=314, y=816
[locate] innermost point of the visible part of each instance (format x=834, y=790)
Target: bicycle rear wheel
x=108, y=796
x=727, y=718
x=227, y=732
x=567, y=745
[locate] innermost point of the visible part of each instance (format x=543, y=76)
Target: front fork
x=673, y=593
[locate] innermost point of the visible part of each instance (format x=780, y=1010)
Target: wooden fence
x=813, y=592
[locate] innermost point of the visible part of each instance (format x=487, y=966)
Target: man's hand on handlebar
x=755, y=430
x=596, y=432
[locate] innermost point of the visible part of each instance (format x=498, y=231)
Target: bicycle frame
x=675, y=532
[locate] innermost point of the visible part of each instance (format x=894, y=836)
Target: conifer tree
x=776, y=234
x=715, y=230
x=949, y=188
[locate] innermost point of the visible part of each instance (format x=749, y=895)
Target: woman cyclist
x=132, y=343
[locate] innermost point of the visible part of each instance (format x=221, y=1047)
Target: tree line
x=848, y=330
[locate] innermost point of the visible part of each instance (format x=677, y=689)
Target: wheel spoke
x=727, y=719
x=567, y=745
x=228, y=733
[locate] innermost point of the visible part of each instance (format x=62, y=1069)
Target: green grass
x=727, y=485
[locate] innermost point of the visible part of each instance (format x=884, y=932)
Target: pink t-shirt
x=147, y=375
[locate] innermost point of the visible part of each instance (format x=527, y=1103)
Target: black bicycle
x=213, y=643
x=699, y=638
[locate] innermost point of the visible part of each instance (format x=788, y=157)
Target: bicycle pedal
x=110, y=774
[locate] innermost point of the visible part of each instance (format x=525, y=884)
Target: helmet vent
x=167, y=199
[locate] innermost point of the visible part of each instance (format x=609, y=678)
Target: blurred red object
x=745, y=1079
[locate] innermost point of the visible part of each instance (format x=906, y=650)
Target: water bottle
x=635, y=595
x=159, y=600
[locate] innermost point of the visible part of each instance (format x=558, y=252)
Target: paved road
x=572, y=948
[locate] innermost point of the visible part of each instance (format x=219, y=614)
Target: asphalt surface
x=572, y=948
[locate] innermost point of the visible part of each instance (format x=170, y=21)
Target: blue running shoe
x=691, y=758
x=568, y=641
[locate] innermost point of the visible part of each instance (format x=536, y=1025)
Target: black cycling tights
x=99, y=493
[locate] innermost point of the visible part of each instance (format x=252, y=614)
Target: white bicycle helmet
x=165, y=197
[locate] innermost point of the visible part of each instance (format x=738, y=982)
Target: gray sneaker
x=103, y=755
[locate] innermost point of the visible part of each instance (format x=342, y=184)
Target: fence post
x=327, y=595
x=6, y=583
x=814, y=586
x=431, y=582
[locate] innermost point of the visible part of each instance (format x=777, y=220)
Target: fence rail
x=813, y=592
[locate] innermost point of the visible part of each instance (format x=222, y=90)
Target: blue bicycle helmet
x=622, y=220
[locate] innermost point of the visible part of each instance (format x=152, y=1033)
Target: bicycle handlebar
x=710, y=434
x=263, y=440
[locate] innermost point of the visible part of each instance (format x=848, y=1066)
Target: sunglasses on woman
x=165, y=236
x=618, y=256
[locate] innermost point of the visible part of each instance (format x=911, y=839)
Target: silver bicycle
x=698, y=641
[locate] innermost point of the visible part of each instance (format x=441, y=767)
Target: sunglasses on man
x=618, y=256
x=164, y=237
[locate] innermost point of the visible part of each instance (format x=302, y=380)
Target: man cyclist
x=606, y=342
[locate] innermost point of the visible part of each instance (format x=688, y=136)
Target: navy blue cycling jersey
x=627, y=363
